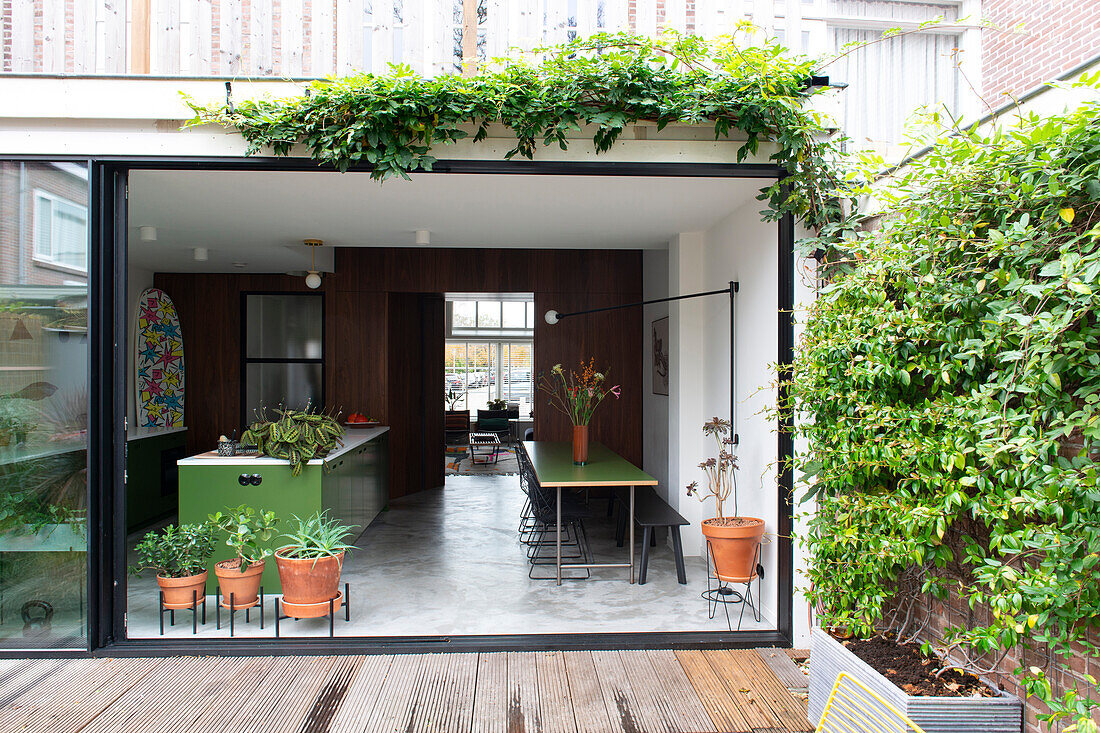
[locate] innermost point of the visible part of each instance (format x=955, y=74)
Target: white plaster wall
x=654, y=406
x=742, y=248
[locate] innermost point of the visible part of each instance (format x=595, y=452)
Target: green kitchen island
x=352, y=483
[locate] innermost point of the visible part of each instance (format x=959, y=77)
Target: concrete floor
x=449, y=562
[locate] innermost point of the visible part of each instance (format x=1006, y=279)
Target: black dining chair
x=544, y=532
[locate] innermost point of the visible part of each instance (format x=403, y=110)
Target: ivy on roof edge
x=394, y=121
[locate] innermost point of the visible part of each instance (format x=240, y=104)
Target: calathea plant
x=296, y=436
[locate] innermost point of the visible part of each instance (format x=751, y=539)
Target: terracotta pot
x=310, y=580
x=177, y=591
x=245, y=586
x=580, y=445
x=733, y=549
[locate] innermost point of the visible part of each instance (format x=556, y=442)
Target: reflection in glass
x=43, y=403
x=464, y=314
x=290, y=385
x=488, y=314
x=283, y=326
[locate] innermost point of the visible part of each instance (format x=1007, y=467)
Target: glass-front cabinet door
x=43, y=403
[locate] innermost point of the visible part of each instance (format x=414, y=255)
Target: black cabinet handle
x=243, y=479
x=255, y=479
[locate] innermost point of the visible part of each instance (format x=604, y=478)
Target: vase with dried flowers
x=577, y=395
x=732, y=540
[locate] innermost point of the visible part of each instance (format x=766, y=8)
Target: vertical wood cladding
x=384, y=340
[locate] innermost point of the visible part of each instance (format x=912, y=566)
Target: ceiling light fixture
x=313, y=277
x=423, y=236
x=201, y=254
x=148, y=234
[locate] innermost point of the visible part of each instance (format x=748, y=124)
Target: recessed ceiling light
x=201, y=254
x=148, y=234
x=423, y=236
x=240, y=264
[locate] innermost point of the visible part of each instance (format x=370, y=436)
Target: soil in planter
x=729, y=522
x=915, y=672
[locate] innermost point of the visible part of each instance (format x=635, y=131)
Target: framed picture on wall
x=660, y=356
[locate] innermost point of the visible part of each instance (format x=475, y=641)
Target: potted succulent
x=247, y=532
x=179, y=556
x=310, y=563
x=732, y=540
x=577, y=395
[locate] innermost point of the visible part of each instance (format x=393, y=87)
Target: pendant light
x=313, y=277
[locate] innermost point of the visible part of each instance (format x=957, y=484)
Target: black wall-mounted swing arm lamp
x=552, y=317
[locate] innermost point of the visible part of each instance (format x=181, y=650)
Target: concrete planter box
x=828, y=658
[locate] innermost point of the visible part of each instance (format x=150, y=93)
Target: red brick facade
x=1033, y=41
x=18, y=183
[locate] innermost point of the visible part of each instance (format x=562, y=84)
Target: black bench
x=650, y=511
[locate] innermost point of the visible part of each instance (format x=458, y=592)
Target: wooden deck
x=509, y=692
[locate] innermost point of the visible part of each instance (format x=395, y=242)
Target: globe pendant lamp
x=313, y=277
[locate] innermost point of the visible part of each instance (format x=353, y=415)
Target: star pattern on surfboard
x=159, y=361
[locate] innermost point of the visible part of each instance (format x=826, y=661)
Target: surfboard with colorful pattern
x=158, y=362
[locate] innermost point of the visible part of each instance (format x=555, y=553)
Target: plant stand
x=720, y=592
x=233, y=608
x=325, y=609
x=195, y=601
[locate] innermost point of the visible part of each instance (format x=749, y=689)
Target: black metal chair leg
x=647, y=535
x=620, y=529
x=678, y=551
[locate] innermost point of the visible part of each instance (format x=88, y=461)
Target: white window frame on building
x=47, y=251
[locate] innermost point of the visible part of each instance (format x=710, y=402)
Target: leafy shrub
x=178, y=552
x=949, y=389
x=246, y=532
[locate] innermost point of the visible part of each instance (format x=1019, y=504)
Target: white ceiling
x=260, y=218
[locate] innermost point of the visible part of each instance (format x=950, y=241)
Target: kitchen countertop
x=354, y=438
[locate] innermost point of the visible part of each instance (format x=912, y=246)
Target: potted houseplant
x=247, y=532
x=179, y=556
x=310, y=563
x=15, y=422
x=577, y=395
x=297, y=436
x=731, y=540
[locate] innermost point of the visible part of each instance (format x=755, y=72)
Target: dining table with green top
x=552, y=462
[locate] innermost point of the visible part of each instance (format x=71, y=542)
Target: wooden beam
x=469, y=37
x=139, y=36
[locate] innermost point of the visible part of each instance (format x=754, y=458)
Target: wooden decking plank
x=362, y=694
x=713, y=693
x=730, y=666
x=622, y=705
x=249, y=678
x=522, y=693
x=163, y=686
x=653, y=704
x=448, y=694
x=188, y=696
x=25, y=679
x=589, y=710
x=555, y=707
x=282, y=680
x=784, y=668
x=675, y=690
x=101, y=687
x=24, y=701
x=330, y=696
x=395, y=697
x=790, y=711
x=291, y=711
x=490, y=708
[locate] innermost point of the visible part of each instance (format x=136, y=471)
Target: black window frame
x=107, y=438
x=246, y=419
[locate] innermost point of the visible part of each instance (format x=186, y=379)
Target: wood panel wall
x=384, y=340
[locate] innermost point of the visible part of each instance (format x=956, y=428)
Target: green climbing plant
x=395, y=122
x=948, y=390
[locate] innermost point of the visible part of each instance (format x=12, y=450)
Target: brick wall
x=954, y=611
x=1033, y=41
x=17, y=264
